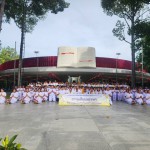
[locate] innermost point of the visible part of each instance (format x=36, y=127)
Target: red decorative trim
x=86, y=60
x=51, y=61
x=68, y=53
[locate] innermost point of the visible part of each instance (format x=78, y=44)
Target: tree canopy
x=7, y=54
x=26, y=14
x=143, y=31
x=32, y=10
x=131, y=13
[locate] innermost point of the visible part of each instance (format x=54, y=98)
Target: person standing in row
x=45, y=95
x=108, y=92
x=52, y=94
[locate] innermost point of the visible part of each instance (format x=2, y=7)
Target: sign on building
x=76, y=57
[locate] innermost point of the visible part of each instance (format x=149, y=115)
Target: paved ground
x=52, y=127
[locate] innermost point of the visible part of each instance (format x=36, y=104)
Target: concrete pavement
x=48, y=126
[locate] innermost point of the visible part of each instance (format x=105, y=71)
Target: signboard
x=86, y=57
x=66, y=57
x=76, y=57
x=84, y=99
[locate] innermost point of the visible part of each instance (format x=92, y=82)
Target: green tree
x=7, y=54
x=26, y=14
x=2, y=5
x=131, y=12
x=143, y=31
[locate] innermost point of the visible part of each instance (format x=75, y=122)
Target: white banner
x=84, y=99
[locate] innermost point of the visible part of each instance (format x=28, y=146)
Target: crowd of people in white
x=50, y=91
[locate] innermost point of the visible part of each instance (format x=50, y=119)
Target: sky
x=82, y=24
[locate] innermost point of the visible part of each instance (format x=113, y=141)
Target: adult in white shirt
x=147, y=99
x=32, y=93
x=114, y=94
x=87, y=90
x=73, y=90
x=70, y=90
x=119, y=95
x=92, y=91
x=2, y=96
x=99, y=91
x=79, y=90
x=52, y=94
x=108, y=92
x=139, y=97
x=14, y=97
x=129, y=97
x=144, y=95
x=67, y=90
x=45, y=95
x=61, y=91
x=20, y=92
x=133, y=93
x=38, y=97
x=26, y=98
x=123, y=94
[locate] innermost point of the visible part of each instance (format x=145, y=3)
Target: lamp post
x=117, y=54
x=142, y=69
x=37, y=65
x=15, y=67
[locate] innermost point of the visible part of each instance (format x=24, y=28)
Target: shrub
x=9, y=144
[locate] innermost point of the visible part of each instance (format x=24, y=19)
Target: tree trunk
x=133, y=79
x=21, y=47
x=2, y=5
x=20, y=58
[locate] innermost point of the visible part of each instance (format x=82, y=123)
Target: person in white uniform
x=99, y=91
x=14, y=97
x=52, y=94
x=109, y=93
x=129, y=97
x=19, y=90
x=73, y=91
x=38, y=97
x=139, y=97
x=92, y=91
x=144, y=95
x=61, y=91
x=32, y=93
x=119, y=95
x=2, y=96
x=147, y=98
x=26, y=98
x=80, y=90
x=114, y=94
x=45, y=95
x=123, y=94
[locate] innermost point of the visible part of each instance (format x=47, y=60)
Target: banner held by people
x=84, y=99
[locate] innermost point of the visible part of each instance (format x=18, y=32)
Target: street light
x=15, y=67
x=142, y=69
x=117, y=54
x=37, y=65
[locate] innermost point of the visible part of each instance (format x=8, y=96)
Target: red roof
x=51, y=61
